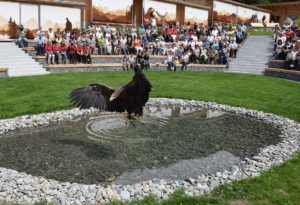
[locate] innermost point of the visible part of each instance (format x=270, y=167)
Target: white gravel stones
x=18, y=187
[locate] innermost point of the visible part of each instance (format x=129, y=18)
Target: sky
x=8, y=10
x=161, y=7
x=116, y=5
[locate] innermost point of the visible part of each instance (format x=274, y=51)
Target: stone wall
x=280, y=64
x=120, y=68
x=3, y=74
x=287, y=76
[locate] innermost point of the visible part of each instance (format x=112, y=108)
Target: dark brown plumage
x=131, y=97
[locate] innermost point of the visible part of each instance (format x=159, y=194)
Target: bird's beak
x=111, y=99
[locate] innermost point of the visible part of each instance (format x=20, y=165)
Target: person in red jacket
x=86, y=54
x=72, y=50
x=167, y=34
x=56, y=50
x=79, y=53
x=49, y=52
x=63, y=52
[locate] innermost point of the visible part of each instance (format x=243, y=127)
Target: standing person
x=56, y=50
x=63, y=52
x=140, y=60
x=72, y=52
x=39, y=44
x=146, y=22
x=123, y=41
x=130, y=46
x=156, y=46
x=170, y=60
x=79, y=53
x=137, y=44
x=22, y=33
x=185, y=60
x=176, y=63
x=49, y=53
x=147, y=60
x=154, y=33
x=153, y=21
x=125, y=62
x=225, y=55
x=86, y=54
x=244, y=30
x=212, y=54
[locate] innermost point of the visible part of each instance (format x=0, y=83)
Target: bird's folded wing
x=97, y=96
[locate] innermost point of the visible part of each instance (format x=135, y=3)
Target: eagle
x=131, y=97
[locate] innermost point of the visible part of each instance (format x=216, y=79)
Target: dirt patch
x=240, y=202
x=284, y=192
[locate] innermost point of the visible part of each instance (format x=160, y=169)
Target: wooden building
x=281, y=11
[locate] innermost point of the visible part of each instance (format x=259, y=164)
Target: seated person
x=63, y=52
x=167, y=34
x=130, y=46
x=101, y=45
x=176, y=63
x=86, y=54
x=108, y=46
x=137, y=44
x=125, y=62
x=56, y=50
x=49, y=52
x=297, y=56
x=156, y=46
x=22, y=33
x=39, y=44
x=140, y=60
x=203, y=54
x=154, y=33
x=239, y=36
x=163, y=48
x=233, y=47
x=212, y=54
x=210, y=38
x=145, y=44
x=72, y=52
x=290, y=60
x=92, y=44
x=185, y=60
x=115, y=43
x=142, y=30
x=79, y=53
x=147, y=60
x=170, y=60
x=131, y=60
x=279, y=53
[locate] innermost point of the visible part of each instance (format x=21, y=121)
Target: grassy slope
x=37, y=94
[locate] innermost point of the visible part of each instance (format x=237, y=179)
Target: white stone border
x=18, y=187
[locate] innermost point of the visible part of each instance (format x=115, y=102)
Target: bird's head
x=116, y=93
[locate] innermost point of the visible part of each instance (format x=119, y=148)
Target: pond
x=102, y=147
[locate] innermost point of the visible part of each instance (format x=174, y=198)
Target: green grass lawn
x=38, y=94
x=269, y=33
x=47, y=93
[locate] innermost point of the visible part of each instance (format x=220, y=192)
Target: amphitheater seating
x=279, y=63
x=4, y=72
x=284, y=74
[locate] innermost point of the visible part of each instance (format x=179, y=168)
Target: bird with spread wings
x=131, y=97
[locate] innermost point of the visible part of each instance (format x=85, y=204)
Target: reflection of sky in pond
x=95, y=148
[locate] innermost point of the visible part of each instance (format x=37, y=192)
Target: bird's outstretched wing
x=97, y=96
x=139, y=87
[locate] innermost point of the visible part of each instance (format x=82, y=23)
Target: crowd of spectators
x=191, y=43
x=287, y=45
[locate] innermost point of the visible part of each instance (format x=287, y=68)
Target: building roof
x=274, y=5
x=73, y=3
x=187, y=4
x=246, y=5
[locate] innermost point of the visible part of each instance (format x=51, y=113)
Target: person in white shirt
x=99, y=34
x=280, y=37
x=51, y=35
x=123, y=41
x=107, y=35
x=162, y=47
x=215, y=31
x=185, y=43
x=133, y=32
x=156, y=46
x=233, y=47
x=173, y=49
x=199, y=43
x=108, y=45
x=98, y=28
x=211, y=38
x=185, y=60
x=290, y=61
x=192, y=43
x=40, y=31
x=218, y=37
x=170, y=60
x=196, y=55
x=153, y=21
x=194, y=37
